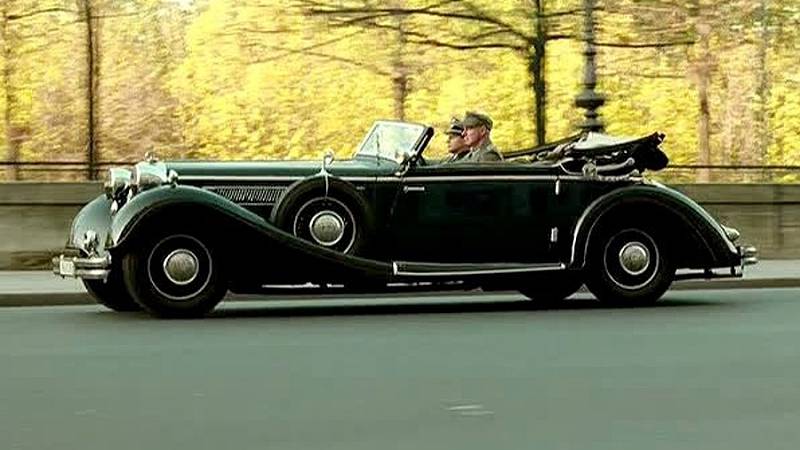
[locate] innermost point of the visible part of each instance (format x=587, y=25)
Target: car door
x=472, y=214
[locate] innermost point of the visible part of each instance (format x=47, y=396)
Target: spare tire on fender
x=326, y=211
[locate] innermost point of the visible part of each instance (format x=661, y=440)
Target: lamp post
x=589, y=99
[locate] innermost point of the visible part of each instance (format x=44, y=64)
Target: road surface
x=702, y=370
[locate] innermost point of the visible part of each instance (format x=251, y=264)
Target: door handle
x=413, y=188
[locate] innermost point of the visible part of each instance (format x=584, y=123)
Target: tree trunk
x=703, y=73
x=399, y=71
x=92, y=72
x=762, y=91
x=537, y=68
x=12, y=132
x=704, y=130
x=400, y=90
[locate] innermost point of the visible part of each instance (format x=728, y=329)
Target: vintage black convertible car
x=173, y=238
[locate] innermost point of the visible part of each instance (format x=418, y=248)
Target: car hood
x=341, y=168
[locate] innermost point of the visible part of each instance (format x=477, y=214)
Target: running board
x=446, y=270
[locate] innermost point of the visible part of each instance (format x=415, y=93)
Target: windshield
x=390, y=140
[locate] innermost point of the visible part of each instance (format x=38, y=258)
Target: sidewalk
x=42, y=288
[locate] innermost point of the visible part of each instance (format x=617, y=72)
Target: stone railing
x=35, y=217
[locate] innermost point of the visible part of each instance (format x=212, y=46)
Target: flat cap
x=456, y=127
x=475, y=119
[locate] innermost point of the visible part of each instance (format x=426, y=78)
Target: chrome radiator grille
x=249, y=195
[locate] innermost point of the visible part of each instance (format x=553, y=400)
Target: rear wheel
x=629, y=265
x=175, y=274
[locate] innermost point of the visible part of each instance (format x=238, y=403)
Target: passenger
x=477, y=130
x=456, y=147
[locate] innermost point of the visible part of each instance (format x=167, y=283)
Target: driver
x=477, y=130
x=456, y=145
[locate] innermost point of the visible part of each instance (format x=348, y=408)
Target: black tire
x=312, y=202
x=112, y=293
x=629, y=265
x=195, y=284
x=552, y=290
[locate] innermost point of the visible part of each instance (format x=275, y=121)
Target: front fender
x=154, y=201
x=715, y=249
x=158, y=200
x=94, y=216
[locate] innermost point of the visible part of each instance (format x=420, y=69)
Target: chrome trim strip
x=555, y=178
x=603, y=178
x=241, y=178
x=369, y=179
x=579, y=224
x=511, y=270
x=412, y=178
x=379, y=179
x=390, y=179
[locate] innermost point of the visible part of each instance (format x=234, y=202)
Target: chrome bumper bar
x=749, y=255
x=89, y=268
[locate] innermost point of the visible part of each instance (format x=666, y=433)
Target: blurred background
x=90, y=83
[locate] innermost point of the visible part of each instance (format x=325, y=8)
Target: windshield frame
x=414, y=149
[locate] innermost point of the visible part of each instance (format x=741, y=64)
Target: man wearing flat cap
x=455, y=142
x=477, y=129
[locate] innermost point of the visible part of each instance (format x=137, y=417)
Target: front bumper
x=749, y=255
x=88, y=268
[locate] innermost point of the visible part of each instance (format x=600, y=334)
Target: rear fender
x=706, y=243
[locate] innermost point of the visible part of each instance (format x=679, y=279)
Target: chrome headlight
x=149, y=174
x=119, y=180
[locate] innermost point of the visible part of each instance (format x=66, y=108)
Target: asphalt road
x=703, y=370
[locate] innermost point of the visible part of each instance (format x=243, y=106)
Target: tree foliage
x=258, y=79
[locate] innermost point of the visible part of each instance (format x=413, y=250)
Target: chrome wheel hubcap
x=328, y=222
x=326, y=228
x=181, y=266
x=634, y=258
x=631, y=259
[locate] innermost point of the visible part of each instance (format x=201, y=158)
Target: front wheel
x=629, y=265
x=112, y=293
x=175, y=275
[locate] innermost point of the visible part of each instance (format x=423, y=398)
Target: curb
x=83, y=298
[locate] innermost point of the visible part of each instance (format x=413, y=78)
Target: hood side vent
x=249, y=195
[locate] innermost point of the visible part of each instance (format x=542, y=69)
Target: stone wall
x=767, y=215
x=35, y=217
